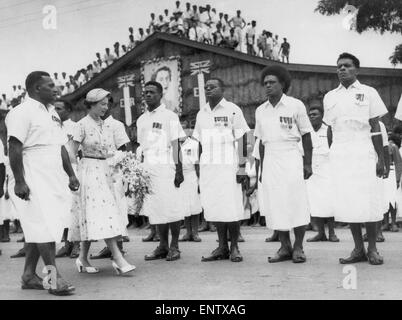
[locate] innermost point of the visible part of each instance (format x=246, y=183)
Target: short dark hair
x=220, y=82
x=280, y=72
x=33, y=78
x=67, y=104
x=350, y=56
x=155, y=84
x=318, y=108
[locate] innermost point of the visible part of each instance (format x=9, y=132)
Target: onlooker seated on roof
x=176, y=25
x=131, y=43
x=196, y=33
x=147, y=32
x=166, y=18
x=196, y=15
x=117, y=49
x=69, y=88
x=124, y=49
x=218, y=36
x=141, y=36
x=160, y=25
x=96, y=68
x=90, y=72
x=108, y=58
x=233, y=41
x=152, y=23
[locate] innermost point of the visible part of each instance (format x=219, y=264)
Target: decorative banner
x=166, y=71
x=199, y=68
x=126, y=82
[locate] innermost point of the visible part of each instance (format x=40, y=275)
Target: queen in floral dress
x=97, y=209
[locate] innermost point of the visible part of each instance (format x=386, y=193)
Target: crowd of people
x=331, y=161
x=197, y=23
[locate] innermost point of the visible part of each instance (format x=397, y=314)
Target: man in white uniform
x=2, y=180
x=221, y=130
x=34, y=134
x=158, y=132
x=318, y=186
x=356, y=156
x=281, y=123
x=189, y=188
x=64, y=109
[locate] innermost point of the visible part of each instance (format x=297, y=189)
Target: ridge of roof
x=292, y=67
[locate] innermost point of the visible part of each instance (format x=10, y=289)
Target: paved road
x=321, y=277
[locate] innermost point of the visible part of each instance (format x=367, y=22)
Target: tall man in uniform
x=221, y=130
x=356, y=156
x=64, y=109
x=281, y=123
x=158, y=132
x=34, y=134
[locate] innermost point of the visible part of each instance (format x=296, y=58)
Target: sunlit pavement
x=321, y=277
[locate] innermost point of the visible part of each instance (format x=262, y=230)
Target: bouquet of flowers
x=136, y=179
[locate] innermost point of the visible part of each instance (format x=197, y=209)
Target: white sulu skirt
x=43, y=217
x=318, y=188
x=355, y=188
x=189, y=195
x=163, y=205
x=285, y=203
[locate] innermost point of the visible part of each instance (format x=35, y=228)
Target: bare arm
x=329, y=136
x=177, y=160
x=308, y=154
x=376, y=138
x=261, y=150
x=396, y=155
x=2, y=178
x=66, y=162
x=21, y=189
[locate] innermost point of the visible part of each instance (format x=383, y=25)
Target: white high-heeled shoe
x=123, y=270
x=81, y=267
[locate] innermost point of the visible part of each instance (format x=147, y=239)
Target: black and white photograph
x=203, y=152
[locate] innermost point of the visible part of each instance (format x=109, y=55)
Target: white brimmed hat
x=96, y=95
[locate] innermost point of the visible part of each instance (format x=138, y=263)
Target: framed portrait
x=166, y=71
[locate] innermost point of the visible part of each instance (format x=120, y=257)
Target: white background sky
x=85, y=27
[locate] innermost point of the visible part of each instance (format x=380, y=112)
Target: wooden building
x=240, y=73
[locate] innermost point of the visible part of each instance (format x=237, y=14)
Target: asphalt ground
x=321, y=277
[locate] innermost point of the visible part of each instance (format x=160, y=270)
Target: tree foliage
x=378, y=15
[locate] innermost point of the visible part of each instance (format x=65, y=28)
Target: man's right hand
x=22, y=191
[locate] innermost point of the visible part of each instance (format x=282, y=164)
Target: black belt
x=89, y=157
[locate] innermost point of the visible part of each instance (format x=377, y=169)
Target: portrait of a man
x=167, y=73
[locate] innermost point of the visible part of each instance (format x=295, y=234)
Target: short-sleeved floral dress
x=96, y=208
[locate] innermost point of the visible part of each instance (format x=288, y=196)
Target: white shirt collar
x=283, y=101
x=38, y=104
x=355, y=84
x=223, y=103
x=158, y=109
